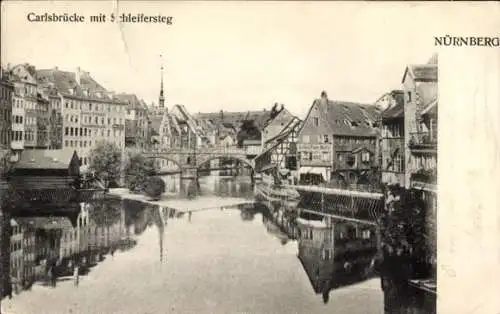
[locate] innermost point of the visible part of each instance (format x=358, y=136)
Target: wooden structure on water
x=41, y=183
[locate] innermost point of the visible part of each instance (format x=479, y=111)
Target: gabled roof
x=131, y=100
x=348, y=118
x=361, y=148
x=422, y=73
x=44, y=159
x=396, y=110
x=65, y=81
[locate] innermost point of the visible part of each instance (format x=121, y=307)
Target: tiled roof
x=348, y=118
x=64, y=81
x=236, y=118
x=130, y=99
x=397, y=110
x=44, y=159
x=423, y=73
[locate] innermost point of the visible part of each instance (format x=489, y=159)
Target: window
x=325, y=138
x=325, y=156
x=327, y=255
x=409, y=96
x=365, y=156
x=66, y=131
x=316, y=121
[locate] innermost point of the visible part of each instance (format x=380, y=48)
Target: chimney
x=78, y=73
x=324, y=98
x=56, y=68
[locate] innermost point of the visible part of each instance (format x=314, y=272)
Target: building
x=392, y=150
x=6, y=99
x=276, y=124
x=420, y=83
x=24, y=108
x=90, y=113
x=244, y=127
x=280, y=151
x=136, y=121
x=337, y=139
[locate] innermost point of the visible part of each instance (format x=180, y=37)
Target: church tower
x=161, y=99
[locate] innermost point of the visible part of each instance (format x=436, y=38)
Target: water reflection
x=332, y=255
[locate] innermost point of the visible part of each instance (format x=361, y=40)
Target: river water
x=221, y=260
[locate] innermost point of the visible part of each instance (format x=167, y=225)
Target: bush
x=106, y=161
x=137, y=171
x=154, y=188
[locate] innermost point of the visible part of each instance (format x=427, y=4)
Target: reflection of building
x=337, y=136
x=316, y=249
x=22, y=252
x=334, y=253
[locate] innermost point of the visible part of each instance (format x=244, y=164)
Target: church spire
x=161, y=99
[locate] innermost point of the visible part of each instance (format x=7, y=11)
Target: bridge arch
x=242, y=159
x=172, y=160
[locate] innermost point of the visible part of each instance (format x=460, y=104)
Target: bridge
x=194, y=159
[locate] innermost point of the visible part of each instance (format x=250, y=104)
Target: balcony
x=423, y=140
x=424, y=179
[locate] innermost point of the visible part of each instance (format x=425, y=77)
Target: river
x=220, y=260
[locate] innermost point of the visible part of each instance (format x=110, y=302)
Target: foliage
x=106, y=161
x=248, y=131
x=407, y=249
x=137, y=170
x=154, y=188
x=105, y=213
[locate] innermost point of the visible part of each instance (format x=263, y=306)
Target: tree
x=154, y=188
x=248, y=131
x=106, y=162
x=137, y=170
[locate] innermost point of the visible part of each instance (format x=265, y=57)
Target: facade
x=332, y=135
x=276, y=125
x=90, y=113
x=421, y=129
x=281, y=150
x=25, y=107
x=6, y=100
x=392, y=139
x=136, y=121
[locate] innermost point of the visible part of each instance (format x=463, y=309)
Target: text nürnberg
x=467, y=41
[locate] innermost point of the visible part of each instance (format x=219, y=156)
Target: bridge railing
x=230, y=150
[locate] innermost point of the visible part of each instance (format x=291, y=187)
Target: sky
x=233, y=56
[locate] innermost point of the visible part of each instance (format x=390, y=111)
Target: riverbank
x=182, y=205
